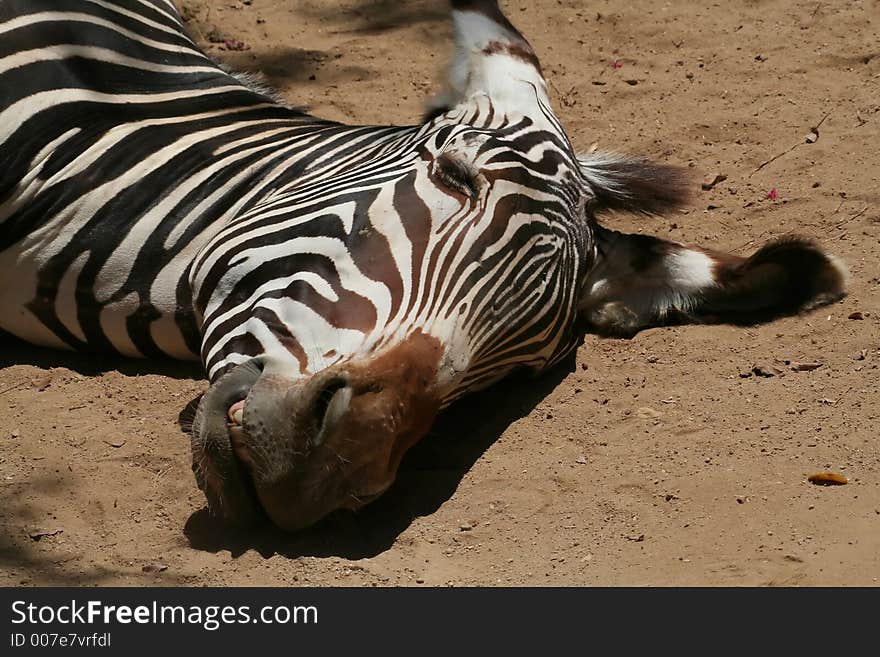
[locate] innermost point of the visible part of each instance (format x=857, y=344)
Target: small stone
x=766, y=370
x=41, y=534
x=713, y=180
x=805, y=367
x=856, y=315
x=465, y=527
x=648, y=413
x=154, y=567
x=42, y=382
x=235, y=45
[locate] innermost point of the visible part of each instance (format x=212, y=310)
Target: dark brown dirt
x=656, y=460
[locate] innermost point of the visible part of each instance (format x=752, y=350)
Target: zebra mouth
x=237, y=436
x=221, y=462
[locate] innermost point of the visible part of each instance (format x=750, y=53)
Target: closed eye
x=456, y=175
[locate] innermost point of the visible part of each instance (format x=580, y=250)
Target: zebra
x=341, y=284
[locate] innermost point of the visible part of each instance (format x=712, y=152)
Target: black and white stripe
x=153, y=204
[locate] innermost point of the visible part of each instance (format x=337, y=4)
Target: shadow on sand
x=15, y=352
x=375, y=16
x=428, y=477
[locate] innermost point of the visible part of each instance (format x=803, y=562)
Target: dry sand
x=654, y=460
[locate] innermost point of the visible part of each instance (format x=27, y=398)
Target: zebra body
x=119, y=265
x=339, y=283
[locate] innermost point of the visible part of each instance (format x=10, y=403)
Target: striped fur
x=167, y=208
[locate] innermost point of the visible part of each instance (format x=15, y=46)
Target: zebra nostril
x=331, y=403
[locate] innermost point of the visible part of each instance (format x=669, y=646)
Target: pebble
x=648, y=413
x=805, y=367
x=713, y=180
x=42, y=382
x=154, y=567
x=766, y=370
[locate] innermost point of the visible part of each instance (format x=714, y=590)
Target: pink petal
x=616, y=63
x=773, y=194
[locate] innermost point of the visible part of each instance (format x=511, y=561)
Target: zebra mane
x=256, y=81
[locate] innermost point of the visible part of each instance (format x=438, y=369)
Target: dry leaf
x=827, y=479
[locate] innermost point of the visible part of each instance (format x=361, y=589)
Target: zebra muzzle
x=299, y=449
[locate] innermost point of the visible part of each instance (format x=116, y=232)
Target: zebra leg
x=640, y=281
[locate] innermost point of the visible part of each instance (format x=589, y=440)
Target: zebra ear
x=491, y=58
x=640, y=281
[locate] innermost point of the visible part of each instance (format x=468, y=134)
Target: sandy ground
x=657, y=460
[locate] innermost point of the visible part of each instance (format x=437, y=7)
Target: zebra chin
x=293, y=451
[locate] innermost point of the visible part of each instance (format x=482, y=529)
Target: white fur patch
x=474, y=31
x=841, y=268
x=691, y=270
x=511, y=83
x=597, y=287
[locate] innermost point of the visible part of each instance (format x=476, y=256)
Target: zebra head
x=404, y=267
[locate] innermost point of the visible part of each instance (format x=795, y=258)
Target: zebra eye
x=456, y=175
